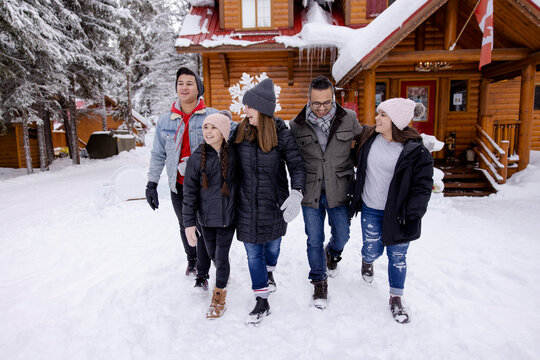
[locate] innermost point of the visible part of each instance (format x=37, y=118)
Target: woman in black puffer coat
x=263, y=146
x=394, y=179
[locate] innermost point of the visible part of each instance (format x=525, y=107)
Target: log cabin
x=431, y=53
x=89, y=119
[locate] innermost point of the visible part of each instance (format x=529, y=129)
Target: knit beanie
x=401, y=111
x=261, y=97
x=221, y=121
x=185, y=70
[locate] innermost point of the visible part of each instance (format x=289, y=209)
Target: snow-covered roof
x=199, y=3
x=137, y=116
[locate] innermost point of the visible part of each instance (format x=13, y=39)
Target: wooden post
x=526, y=101
x=394, y=88
x=224, y=69
x=442, y=112
x=206, y=79
x=450, y=26
x=420, y=37
x=290, y=57
x=484, y=98
x=504, y=161
x=369, y=97
x=486, y=122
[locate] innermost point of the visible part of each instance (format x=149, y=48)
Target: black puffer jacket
x=212, y=208
x=263, y=187
x=409, y=192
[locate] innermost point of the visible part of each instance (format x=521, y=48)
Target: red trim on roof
x=211, y=14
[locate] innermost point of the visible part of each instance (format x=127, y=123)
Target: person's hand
x=182, y=165
x=291, y=206
x=152, y=195
x=191, y=235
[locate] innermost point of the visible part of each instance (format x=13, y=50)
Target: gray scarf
x=323, y=122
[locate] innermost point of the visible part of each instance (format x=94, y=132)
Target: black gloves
x=151, y=195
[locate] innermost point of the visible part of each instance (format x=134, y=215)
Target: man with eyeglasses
x=324, y=132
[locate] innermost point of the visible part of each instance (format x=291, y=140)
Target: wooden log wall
x=358, y=12
x=89, y=121
x=12, y=147
x=280, y=13
x=292, y=97
x=233, y=14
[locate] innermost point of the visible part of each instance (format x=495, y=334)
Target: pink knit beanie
x=221, y=121
x=401, y=111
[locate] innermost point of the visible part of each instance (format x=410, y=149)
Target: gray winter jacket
x=167, y=143
x=335, y=165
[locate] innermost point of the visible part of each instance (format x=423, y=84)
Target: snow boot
x=201, y=285
x=191, y=267
x=217, y=306
x=259, y=312
x=367, y=271
x=398, y=312
x=271, y=282
x=331, y=263
x=320, y=294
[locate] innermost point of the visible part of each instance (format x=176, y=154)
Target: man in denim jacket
x=178, y=134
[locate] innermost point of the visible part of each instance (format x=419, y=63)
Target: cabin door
x=422, y=91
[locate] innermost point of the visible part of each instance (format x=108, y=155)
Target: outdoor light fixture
x=427, y=66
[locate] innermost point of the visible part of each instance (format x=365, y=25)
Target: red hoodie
x=185, y=150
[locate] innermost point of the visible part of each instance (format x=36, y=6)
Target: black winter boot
x=367, y=271
x=320, y=294
x=398, y=312
x=331, y=263
x=201, y=284
x=259, y=312
x=191, y=267
x=271, y=282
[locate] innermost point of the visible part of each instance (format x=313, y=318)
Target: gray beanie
x=261, y=97
x=185, y=70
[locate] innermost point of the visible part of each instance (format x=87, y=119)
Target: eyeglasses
x=317, y=104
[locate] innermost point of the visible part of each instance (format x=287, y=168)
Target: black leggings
x=192, y=252
x=218, y=242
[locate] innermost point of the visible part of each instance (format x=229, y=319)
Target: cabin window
x=375, y=7
x=458, y=95
x=380, y=92
x=256, y=14
x=537, y=97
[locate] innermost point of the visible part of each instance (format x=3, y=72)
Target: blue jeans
x=338, y=218
x=260, y=258
x=372, y=248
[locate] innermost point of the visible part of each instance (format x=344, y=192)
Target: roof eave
x=378, y=52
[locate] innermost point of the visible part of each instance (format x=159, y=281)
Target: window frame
x=257, y=27
x=451, y=96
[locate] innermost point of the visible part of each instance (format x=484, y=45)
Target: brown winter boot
x=217, y=306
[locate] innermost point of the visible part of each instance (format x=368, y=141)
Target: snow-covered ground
x=85, y=274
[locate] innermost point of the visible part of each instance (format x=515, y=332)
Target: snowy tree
x=154, y=73
x=31, y=62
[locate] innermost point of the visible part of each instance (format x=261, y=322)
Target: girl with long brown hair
x=263, y=145
x=209, y=197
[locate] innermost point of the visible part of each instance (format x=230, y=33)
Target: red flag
x=484, y=16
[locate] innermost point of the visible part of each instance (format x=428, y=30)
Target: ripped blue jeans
x=372, y=248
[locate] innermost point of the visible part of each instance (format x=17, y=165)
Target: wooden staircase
x=464, y=180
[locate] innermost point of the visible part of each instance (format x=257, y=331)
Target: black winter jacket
x=263, y=185
x=409, y=192
x=212, y=208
